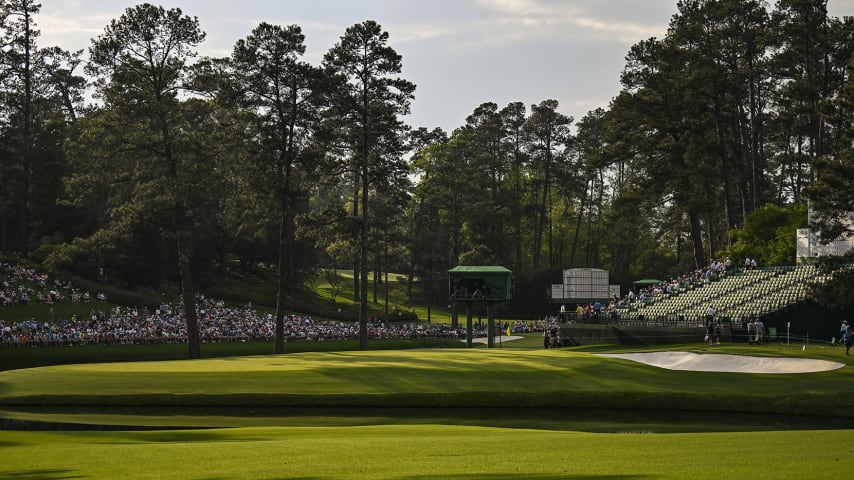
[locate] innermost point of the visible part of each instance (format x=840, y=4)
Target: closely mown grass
x=16, y=358
x=424, y=452
x=507, y=378
x=426, y=414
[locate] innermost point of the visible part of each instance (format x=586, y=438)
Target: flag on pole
x=508, y=330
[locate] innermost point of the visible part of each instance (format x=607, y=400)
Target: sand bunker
x=713, y=362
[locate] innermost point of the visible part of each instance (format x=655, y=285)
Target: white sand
x=714, y=362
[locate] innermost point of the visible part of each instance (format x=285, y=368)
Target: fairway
x=427, y=414
x=421, y=452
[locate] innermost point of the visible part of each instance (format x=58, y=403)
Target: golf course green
x=427, y=414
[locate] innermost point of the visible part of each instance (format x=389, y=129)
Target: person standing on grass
x=710, y=332
x=842, y=329
x=750, y=329
x=760, y=331
x=710, y=315
x=847, y=339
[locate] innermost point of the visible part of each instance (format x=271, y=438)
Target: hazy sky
x=459, y=53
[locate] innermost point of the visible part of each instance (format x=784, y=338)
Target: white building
x=809, y=247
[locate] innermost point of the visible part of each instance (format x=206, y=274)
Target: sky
x=459, y=53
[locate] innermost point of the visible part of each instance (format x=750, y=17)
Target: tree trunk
x=28, y=141
x=356, y=257
x=578, y=224
x=377, y=278
x=697, y=240
x=729, y=210
x=429, y=290
x=279, y=346
x=193, y=341
x=363, y=260
x=385, y=252
x=518, y=191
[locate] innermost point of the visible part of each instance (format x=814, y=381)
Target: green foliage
x=768, y=235
x=366, y=102
x=838, y=291
x=832, y=194
x=263, y=158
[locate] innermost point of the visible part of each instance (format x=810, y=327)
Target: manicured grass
x=403, y=452
x=17, y=358
x=507, y=378
x=426, y=414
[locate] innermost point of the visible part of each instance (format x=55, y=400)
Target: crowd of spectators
x=714, y=270
x=218, y=322
x=596, y=311
x=23, y=285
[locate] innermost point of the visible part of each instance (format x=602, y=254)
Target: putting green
x=425, y=378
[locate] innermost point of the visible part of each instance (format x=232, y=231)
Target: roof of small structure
x=479, y=269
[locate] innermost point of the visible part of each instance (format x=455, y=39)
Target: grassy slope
x=259, y=288
x=427, y=378
x=397, y=297
x=16, y=358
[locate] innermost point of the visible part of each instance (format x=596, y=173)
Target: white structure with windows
x=809, y=247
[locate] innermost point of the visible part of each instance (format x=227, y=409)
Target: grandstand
x=743, y=294
x=736, y=296
x=779, y=295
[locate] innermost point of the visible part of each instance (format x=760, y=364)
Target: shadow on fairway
x=481, y=475
x=584, y=420
x=40, y=475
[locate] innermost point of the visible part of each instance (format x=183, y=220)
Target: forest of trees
x=143, y=159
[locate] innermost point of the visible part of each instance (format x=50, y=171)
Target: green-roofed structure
x=480, y=284
x=646, y=282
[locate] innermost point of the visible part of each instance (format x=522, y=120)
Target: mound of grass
x=17, y=358
x=505, y=378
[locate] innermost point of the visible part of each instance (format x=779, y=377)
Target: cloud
x=89, y=26
x=518, y=7
x=424, y=32
x=561, y=21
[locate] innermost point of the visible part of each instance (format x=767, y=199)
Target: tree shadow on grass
x=44, y=474
x=270, y=478
x=481, y=476
x=180, y=436
x=517, y=476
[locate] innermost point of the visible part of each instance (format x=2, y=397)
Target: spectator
x=847, y=339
